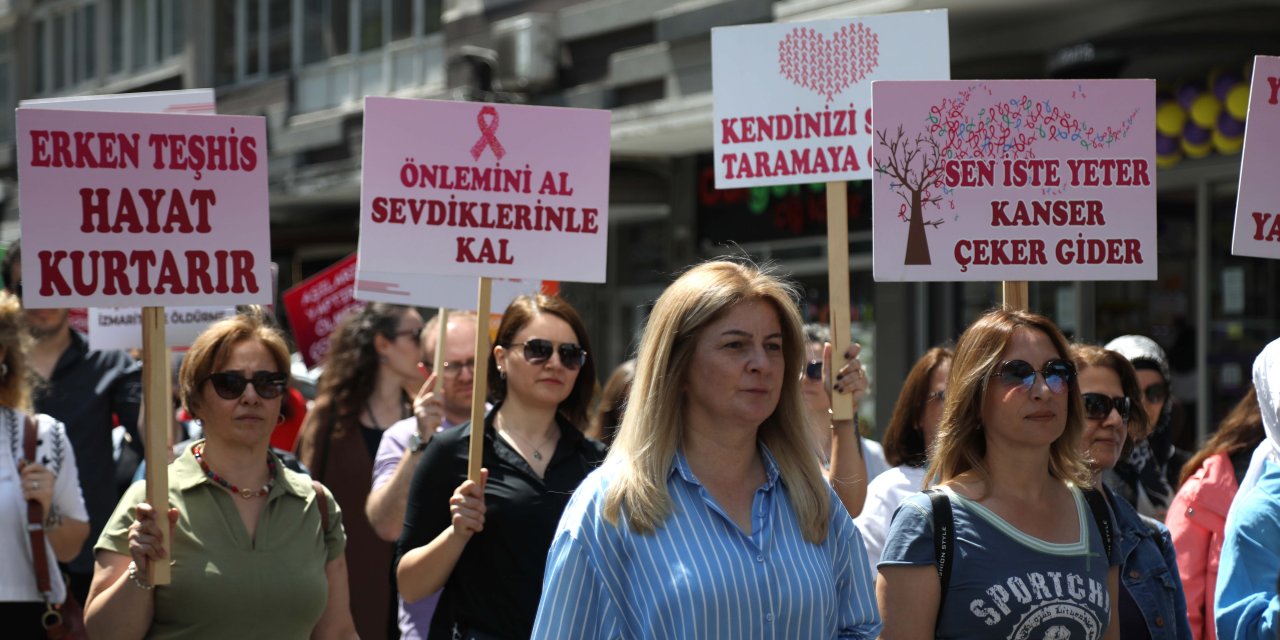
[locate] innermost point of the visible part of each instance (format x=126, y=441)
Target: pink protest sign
x=315, y=306
x=472, y=189
x=1257, y=228
x=133, y=209
x=793, y=100
x=1014, y=180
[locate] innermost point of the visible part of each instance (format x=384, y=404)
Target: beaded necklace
x=247, y=494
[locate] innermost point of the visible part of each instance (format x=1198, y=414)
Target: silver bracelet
x=136, y=579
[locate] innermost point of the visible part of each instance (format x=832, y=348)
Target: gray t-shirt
x=1005, y=583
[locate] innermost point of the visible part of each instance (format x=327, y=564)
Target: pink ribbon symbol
x=487, y=139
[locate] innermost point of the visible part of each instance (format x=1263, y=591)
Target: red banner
x=317, y=304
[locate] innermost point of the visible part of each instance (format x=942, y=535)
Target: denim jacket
x=1149, y=570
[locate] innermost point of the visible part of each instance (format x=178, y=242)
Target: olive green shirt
x=224, y=584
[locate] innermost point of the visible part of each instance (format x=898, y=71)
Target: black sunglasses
x=1019, y=373
x=538, y=351
x=1156, y=392
x=813, y=370
x=1098, y=406
x=229, y=385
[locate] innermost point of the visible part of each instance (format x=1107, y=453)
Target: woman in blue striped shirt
x=709, y=519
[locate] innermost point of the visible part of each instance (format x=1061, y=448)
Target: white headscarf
x=1266, y=379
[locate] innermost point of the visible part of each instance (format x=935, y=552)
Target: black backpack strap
x=944, y=539
x=1101, y=517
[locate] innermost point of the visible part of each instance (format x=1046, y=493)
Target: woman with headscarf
x=1146, y=477
x=1246, y=604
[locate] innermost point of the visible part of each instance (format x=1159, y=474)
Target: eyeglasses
x=230, y=385
x=1156, y=392
x=538, y=351
x=1057, y=374
x=413, y=334
x=813, y=370
x=1098, y=406
x=936, y=396
x=455, y=369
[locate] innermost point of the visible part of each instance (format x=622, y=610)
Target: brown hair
x=519, y=313
x=212, y=348
x=960, y=445
x=15, y=386
x=903, y=440
x=1240, y=429
x=350, y=368
x=613, y=402
x=1088, y=355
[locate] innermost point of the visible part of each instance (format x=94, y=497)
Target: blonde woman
x=1029, y=558
x=710, y=518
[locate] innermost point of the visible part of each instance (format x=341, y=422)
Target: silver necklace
x=511, y=435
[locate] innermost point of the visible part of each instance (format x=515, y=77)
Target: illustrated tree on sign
x=1005, y=129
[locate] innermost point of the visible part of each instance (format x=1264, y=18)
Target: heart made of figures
x=829, y=65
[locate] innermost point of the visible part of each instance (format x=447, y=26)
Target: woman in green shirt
x=252, y=553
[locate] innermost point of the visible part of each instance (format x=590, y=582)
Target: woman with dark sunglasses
x=486, y=543
x=370, y=377
x=251, y=553
x=1029, y=557
x=1152, y=603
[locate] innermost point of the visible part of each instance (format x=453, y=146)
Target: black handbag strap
x=944, y=539
x=1101, y=517
x=322, y=501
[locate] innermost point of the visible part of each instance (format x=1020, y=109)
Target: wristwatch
x=416, y=443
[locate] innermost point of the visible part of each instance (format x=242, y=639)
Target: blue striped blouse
x=699, y=575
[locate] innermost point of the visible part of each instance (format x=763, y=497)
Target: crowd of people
x=1025, y=486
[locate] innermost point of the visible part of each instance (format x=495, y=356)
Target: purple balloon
x=1228, y=126
x=1187, y=94
x=1223, y=83
x=1165, y=145
x=1195, y=135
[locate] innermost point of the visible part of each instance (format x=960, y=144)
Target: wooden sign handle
x=480, y=382
x=838, y=285
x=1015, y=294
x=158, y=398
x=437, y=365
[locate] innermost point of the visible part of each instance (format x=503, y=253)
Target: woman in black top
x=486, y=544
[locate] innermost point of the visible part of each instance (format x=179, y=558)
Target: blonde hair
x=654, y=426
x=15, y=387
x=961, y=445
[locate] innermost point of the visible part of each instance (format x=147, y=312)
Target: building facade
x=307, y=64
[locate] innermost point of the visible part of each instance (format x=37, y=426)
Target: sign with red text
x=1257, y=228
x=492, y=190
x=128, y=209
x=121, y=327
x=1014, y=180
x=450, y=292
x=793, y=100
x=317, y=304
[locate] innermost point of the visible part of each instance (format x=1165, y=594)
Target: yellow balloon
x=1170, y=118
x=1205, y=110
x=1238, y=100
x=1196, y=150
x=1168, y=160
x=1227, y=145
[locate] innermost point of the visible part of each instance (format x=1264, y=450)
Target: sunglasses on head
x=230, y=385
x=1156, y=392
x=1019, y=373
x=813, y=370
x=538, y=351
x=1098, y=406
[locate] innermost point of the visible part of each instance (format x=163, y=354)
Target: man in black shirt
x=83, y=389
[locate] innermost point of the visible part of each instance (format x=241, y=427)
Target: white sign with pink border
x=1257, y=228
x=483, y=190
x=1014, y=180
x=793, y=100
x=129, y=209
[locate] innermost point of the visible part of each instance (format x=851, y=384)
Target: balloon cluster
x=1202, y=116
